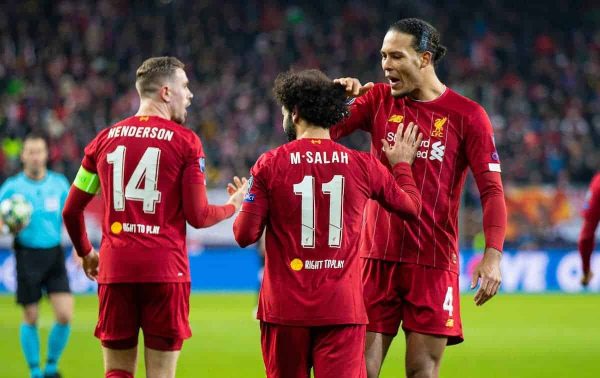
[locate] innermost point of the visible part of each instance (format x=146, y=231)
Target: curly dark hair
x=426, y=37
x=315, y=97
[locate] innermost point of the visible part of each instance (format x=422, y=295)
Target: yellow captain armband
x=87, y=181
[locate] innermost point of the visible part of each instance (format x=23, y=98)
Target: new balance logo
x=437, y=151
x=396, y=118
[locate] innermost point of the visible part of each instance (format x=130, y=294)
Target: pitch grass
x=512, y=336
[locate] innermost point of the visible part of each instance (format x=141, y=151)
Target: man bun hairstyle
x=151, y=75
x=425, y=36
x=316, y=98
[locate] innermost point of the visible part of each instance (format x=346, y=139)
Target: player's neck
x=151, y=108
x=35, y=175
x=431, y=89
x=312, y=132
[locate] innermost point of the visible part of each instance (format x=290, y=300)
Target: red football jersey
x=457, y=134
x=591, y=218
x=311, y=195
x=140, y=162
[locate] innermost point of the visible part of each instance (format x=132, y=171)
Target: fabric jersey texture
x=457, y=135
x=143, y=163
x=47, y=198
x=310, y=194
x=591, y=217
x=160, y=309
x=332, y=351
x=424, y=299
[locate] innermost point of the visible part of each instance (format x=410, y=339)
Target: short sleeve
x=480, y=146
x=7, y=189
x=256, y=200
x=65, y=186
x=194, y=170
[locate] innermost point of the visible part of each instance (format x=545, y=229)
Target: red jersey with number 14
x=140, y=162
x=311, y=194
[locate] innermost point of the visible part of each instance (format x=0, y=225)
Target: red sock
x=118, y=374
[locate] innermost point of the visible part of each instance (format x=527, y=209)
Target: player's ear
x=426, y=59
x=295, y=115
x=165, y=93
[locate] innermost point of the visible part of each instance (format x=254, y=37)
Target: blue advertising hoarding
x=236, y=269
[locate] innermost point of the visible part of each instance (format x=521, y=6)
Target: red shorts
x=333, y=351
x=424, y=299
x=161, y=310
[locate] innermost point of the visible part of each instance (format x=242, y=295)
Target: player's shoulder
x=463, y=104
x=474, y=114
x=358, y=159
x=595, y=183
x=272, y=155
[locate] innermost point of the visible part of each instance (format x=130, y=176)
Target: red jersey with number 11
x=311, y=194
x=140, y=162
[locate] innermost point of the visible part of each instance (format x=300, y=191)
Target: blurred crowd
x=67, y=67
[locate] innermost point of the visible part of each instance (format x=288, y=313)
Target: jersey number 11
x=335, y=189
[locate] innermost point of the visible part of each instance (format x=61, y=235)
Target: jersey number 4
x=335, y=189
x=146, y=170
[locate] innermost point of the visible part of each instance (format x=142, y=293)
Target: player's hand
x=236, y=191
x=90, y=265
x=408, y=141
x=487, y=272
x=78, y=261
x=353, y=86
x=587, y=278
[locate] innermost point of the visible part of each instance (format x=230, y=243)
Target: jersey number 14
x=335, y=189
x=146, y=169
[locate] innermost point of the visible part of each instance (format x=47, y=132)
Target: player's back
x=140, y=163
x=317, y=190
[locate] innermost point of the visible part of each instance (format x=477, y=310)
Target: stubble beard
x=289, y=129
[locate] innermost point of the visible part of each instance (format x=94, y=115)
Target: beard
x=289, y=129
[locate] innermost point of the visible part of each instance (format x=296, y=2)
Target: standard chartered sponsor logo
x=437, y=151
x=433, y=151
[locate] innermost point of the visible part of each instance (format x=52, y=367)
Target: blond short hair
x=151, y=75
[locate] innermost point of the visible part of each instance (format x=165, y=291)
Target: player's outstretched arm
x=360, y=108
x=200, y=214
x=353, y=86
x=250, y=222
x=248, y=228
